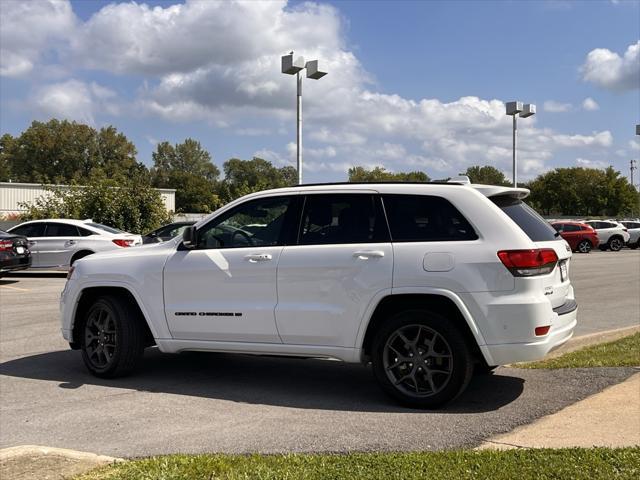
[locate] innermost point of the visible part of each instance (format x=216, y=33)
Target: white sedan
x=58, y=243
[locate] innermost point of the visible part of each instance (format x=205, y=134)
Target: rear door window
x=61, y=230
x=424, y=218
x=531, y=223
x=342, y=219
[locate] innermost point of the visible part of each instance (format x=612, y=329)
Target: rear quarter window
x=424, y=218
x=529, y=221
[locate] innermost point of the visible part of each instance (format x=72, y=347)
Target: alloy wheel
x=418, y=361
x=615, y=244
x=584, y=247
x=100, y=337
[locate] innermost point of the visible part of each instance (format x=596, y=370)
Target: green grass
x=574, y=464
x=619, y=353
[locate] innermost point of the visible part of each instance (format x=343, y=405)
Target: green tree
x=584, y=192
x=486, y=175
x=380, y=174
x=62, y=151
x=6, y=145
x=187, y=167
x=127, y=203
x=246, y=176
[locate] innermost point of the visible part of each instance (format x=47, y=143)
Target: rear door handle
x=32, y=242
x=366, y=254
x=258, y=257
x=71, y=242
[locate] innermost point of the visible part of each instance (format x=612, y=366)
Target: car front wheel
x=421, y=359
x=584, y=246
x=111, y=338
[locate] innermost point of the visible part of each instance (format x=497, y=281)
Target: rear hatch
x=556, y=284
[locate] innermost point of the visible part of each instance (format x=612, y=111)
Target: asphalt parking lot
x=199, y=402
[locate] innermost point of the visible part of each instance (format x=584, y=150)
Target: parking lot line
x=16, y=288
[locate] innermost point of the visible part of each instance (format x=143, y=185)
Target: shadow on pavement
x=36, y=274
x=298, y=383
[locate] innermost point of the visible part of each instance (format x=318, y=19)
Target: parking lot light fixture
x=524, y=110
x=291, y=66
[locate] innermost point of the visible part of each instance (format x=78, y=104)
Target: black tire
x=584, y=246
x=79, y=255
x=484, y=369
x=615, y=244
x=603, y=248
x=428, y=328
x=114, y=349
x=633, y=246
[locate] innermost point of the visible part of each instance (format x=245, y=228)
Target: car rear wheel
x=111, y=339
x=615, y=244
x=584, y=246
x=633, y=246
x=421, y=359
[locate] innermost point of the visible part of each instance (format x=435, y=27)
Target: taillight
x=625, y=230
x=70, y=272
x=122, y=242
x=529, y=263
x=6, y=245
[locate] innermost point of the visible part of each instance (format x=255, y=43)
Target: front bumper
x=563, y=322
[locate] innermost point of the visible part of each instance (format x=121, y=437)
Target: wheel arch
x=80, y=253
x=443, y=302
x=91, y=293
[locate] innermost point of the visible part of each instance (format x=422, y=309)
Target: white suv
x=58, y=243
x=612, y=235
x=425, y=281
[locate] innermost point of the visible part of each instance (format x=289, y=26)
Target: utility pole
x=633, y=165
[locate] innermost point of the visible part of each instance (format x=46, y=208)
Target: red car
x=580, y=236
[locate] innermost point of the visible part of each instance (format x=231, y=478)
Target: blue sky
x=411, y=85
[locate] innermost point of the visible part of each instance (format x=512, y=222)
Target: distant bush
x=129, y=204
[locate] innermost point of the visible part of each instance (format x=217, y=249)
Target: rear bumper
x=14, y=263
x=563, y=322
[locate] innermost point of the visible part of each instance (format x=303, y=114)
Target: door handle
x=258, y=257
x=32, y=242
x=71, y=242
x=366, y=254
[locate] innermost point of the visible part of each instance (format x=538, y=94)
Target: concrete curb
x=610, y=418
x=23, y=450
x=34, y=462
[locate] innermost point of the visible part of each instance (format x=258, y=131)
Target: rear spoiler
x=493, y=191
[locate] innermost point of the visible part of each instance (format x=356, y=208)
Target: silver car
x=633, y=227
x=57, y=243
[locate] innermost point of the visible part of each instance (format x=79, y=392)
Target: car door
x=341, y=261
x=572, y=234
x=33, y=231
x=225, y=288
x=58, y=244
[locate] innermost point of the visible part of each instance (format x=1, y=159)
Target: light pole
x=292, y=66
x=513, y=109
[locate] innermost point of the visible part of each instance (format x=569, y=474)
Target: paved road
x=215, y=402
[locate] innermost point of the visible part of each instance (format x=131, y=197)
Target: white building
x=13, y=194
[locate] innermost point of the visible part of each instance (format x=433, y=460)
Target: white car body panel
x=317, y=300
x=605, y=234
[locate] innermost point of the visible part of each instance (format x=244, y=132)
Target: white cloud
x=556, y=107
x=73, y=100
x=634, y=145
x=590, y=104
x=218, y=62
x=611, y=71
x=586, y=163
x=27, y=28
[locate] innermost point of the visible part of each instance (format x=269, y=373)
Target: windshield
x=104, y=227
x=531, y=223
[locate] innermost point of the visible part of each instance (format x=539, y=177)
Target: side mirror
x=190, y=237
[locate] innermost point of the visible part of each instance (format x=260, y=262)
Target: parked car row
x=59, y=243
x=582, y=236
